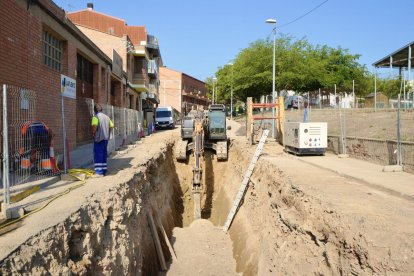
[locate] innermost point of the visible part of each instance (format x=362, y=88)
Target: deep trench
x=215, y=204
x=278, y=229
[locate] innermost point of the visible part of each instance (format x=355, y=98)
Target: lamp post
x=231, y=93
x=273, y=21
x=214, y=79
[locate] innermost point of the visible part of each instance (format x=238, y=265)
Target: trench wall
x=110, y=234
x=281, y=229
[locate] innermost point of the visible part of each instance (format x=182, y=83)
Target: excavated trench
x=278, y=230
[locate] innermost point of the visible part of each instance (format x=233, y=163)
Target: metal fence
x=29, y=136
x=128, y=123
x=381, y=136
x=27, y=141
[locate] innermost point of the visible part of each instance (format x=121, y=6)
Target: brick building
x=182, y=91
x=38, y=45
x=139, y=52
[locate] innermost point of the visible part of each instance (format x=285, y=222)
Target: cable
x=302, y=16
x=72, y=172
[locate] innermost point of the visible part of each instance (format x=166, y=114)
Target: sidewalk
x=80, y=157
x=399, y=184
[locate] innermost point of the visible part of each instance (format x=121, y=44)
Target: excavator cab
x=217, y=125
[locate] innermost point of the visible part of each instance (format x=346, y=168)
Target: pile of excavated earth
x=295, y=219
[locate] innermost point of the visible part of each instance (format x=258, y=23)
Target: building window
x=112, y=89
x=84, y=69
x=52, y=51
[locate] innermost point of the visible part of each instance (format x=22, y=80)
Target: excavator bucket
x=221, y=150
x=181, y=150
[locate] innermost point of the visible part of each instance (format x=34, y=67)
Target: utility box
x=306, y=138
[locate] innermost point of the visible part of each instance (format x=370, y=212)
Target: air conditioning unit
x=306, y=138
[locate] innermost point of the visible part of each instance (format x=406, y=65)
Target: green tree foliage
x=300, y=66
x=390, y=87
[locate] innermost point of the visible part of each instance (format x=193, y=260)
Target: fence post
x=124, y=142
x=65, y=157
x=320, y=99
x=399, y=155
x=344, y=138
x=93, y=105
x=6, y=182
x=342, y=123
x=137, y=124
x=341, y=129
x=113, y=130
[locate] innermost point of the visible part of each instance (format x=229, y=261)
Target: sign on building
x=68, y=87
x=116, y=64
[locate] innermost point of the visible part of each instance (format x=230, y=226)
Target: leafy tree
x=300, y=66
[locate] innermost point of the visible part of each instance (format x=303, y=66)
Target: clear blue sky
x=198, y=36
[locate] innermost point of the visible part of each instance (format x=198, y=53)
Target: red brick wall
x=108, y=24
x=99, y=21
x=22, y=65
x=196, y=91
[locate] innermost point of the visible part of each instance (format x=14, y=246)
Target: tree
x=300, y=66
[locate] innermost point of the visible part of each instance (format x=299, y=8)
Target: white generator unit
x=306, y=138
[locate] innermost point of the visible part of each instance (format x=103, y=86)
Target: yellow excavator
x=208, y=131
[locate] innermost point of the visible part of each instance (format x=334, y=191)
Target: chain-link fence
x=27, y=141
x=128, y=123
x=30, y=135
x=367, y=134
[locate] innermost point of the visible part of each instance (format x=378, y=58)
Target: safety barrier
x=382, y=136
x=276, y=120
x=31, y=133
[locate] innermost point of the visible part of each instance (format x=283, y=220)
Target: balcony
x=153, y=98
x=152, y=88
x=152, y=95
x=193, y=94
x=152, y=45
x=140, y=83
x=152, y=68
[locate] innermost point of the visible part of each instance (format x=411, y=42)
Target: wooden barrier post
x=281, y=120
x=249, y=121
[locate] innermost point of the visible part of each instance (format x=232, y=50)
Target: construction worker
x=101, y=130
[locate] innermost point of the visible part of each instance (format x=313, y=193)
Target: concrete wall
x=377, y=151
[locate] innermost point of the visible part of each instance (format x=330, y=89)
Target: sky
x=198, y=36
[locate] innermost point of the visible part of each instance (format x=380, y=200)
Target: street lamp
x=273, y=21
x=214, y=79
x=231, y=95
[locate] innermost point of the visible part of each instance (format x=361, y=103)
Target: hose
x=74, y=173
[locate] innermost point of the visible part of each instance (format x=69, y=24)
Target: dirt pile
x=202, y=249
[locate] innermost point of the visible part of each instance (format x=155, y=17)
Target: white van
x=165, y=117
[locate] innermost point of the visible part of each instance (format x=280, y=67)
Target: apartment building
x=182, y=91
x=38, y=47
x=138, y=50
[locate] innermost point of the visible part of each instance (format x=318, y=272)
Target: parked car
x=165, y=117
x=292, y=102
